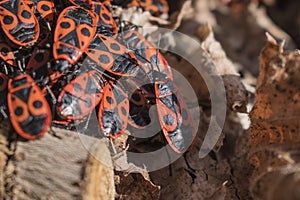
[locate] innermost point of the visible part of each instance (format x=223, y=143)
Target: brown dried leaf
x=275, y=115
x=275, y=124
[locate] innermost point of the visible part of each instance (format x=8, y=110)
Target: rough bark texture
x=61, y=165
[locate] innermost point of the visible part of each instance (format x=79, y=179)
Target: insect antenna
x=54, y=101
x=23, y=62
x=20, y=65
x=48, y=26
x=5, y=69
x=87, y=121
x=3, y=113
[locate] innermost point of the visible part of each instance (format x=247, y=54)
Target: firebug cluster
x=45, y=43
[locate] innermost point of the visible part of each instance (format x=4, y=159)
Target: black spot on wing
x=26, y=14
x=45, y=7
x=37, y=104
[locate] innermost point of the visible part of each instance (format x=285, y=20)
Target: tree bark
x=60, y=165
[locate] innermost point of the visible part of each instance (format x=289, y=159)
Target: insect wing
x=46, y=9
x=106, y=24
x=74, y=31
x=29, y=111
x=19, y=22
x=79, y=97
x=113, y=111
x=178, y=135
x=39, y=60
x=147, y=55
x=112, y=56
x=188, y=125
